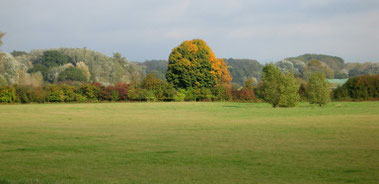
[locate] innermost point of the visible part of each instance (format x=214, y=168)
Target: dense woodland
x=192, y=73
x=243, y=69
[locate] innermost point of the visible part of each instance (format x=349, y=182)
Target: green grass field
x=189, y=143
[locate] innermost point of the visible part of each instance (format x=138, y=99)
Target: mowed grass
x=189, y=143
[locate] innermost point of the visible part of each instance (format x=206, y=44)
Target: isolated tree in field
x=279, y=89
x=271, y=77
x=318, y=89
x=289, y=96
x=193, y=64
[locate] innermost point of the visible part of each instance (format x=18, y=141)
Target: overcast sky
x=266, y=30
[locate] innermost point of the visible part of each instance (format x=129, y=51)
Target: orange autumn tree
x=193, y=64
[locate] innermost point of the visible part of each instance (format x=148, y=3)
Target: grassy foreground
x=189, y=143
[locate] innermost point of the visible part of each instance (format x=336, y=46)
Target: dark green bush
x=23, y=93
x=205, y=95
x=72, y=74
x=365, y=87
x=222, y=93
x=80, y=98
x=191, y=94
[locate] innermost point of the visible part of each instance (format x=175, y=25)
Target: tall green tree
x=193, y=64
x=289, y=96
x=271, y=77
x=279, y=89
x=72, y=74
x=318, y=89
x=50, y=59
x=53, y=58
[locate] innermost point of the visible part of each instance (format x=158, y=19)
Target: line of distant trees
x=242, y=70
x=55, y=65
x=192, y=73
x=279, y=89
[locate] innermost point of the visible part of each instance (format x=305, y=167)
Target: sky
x=266, y=30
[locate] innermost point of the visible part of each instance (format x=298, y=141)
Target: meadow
x=221, y=142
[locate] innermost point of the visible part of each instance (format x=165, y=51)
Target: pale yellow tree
x=82, y=66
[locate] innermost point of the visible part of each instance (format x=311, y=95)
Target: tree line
x=242, y=70
x=192, y=73
x=278, y=88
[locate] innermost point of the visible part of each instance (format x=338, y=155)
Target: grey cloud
x=147, y=29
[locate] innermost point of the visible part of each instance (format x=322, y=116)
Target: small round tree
x=279, y=89
x=318, y=89
x=193, y=65
x=289, y=96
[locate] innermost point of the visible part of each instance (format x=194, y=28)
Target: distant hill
x=243, y=69
x=156, y=67
x=333, y=62
x=21, y=67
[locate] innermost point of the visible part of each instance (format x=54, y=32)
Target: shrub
x=247, y=95
x=108, y=93
x=168, y=91
x=38, y=94
x=205, y=95
x=68, y=92
x=341, y=93
x=90, y=91
x=147, y=95
x=114, y=96
x=235, y=94
x=163, y=90
x=180, y=96
x=7, y=94
x=122, y=90
x=191, y=94
x=364, y=87
x=222, y=93
x=54, y=93
x=80, y=98
x=23, y=93
x=134, y=93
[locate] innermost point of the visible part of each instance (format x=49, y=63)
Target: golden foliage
x=190, y=55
